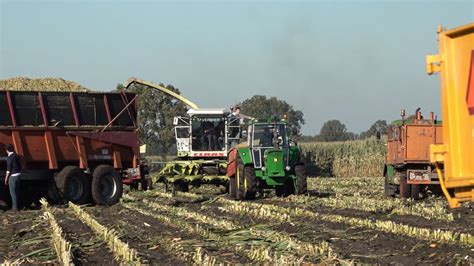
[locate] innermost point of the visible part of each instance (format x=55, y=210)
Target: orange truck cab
x=408, y=170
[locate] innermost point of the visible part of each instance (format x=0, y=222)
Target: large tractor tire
x=415, y=191
x=232, y=187
x=301, y=180
x=107, y=187
x=389, y=189
x=73, y=185
x=248, y=183
x=405, y=191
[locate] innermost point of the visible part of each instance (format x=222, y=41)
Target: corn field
x=339, y=221
x=361, y=158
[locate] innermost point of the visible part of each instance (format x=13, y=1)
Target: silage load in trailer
x=41, y=84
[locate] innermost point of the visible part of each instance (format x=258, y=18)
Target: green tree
x=156, y=112
x=262, y=107
x=334, y=130
x=377, y=126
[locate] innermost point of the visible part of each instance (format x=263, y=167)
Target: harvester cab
x=206, y=133
x=203, y=139
x=268, y=159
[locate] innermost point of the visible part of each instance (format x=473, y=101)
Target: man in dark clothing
x=12, y=178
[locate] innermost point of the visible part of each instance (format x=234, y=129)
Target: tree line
x=157, y=110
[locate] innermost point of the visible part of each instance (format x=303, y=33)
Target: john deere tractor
x=268, y=159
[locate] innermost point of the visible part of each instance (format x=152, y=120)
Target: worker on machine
x=12, y=178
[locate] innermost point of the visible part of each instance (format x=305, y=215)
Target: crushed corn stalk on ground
x=341, y=221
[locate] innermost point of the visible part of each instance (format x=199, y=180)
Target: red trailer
x=73, y=146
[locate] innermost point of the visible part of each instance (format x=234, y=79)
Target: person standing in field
x=12, y=178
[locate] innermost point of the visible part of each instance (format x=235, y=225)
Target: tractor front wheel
x=232, y=187
x=301, y=180
x=248, y=183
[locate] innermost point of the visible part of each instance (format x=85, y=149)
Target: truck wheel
x=415, y=191
x=301, y=180
x=389, y=189
x=232, y=187
x=404, y=187
x=73, y=185
x=107, y=187
x=248, y=183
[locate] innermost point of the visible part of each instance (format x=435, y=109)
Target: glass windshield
x=263, y=135
x=208, y=133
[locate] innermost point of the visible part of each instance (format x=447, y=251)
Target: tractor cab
x=267, y=138
x=206, y=132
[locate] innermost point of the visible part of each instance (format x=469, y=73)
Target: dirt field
x=340, y=221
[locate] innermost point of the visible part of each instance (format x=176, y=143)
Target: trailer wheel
x=232, y=187
x=404, y=187
x=107, y=187
x=248, y=183
x=73, y=185
x=389, y=189
x=301, y=180
x=415, y=191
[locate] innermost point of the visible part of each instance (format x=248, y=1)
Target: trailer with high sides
x=73, y=146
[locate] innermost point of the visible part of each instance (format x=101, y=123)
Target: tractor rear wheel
x=248, y=183
x=232, y=187
x=405, y=190
x=389, y=189
x=73, y=185
x=107, y=187
x=301, y=180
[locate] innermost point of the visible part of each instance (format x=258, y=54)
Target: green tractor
x=268, y=159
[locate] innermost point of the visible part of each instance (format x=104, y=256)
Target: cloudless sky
x=356, y=61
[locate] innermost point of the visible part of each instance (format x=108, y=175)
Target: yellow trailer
x=454, y=159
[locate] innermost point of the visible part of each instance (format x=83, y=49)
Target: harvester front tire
x=301, y=180
x=180, y=186
x=232, y=187
x=405, y=191
x=107, y=187
x=73, y=185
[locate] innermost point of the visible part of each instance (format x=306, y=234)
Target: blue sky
x=356, y=61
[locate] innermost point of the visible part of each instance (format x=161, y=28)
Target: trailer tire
x=73, y=185
x=405, y=191
x=232, y=187
x=248, y=183
x=107, y=187
x=415, y=191
x=301, y=180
